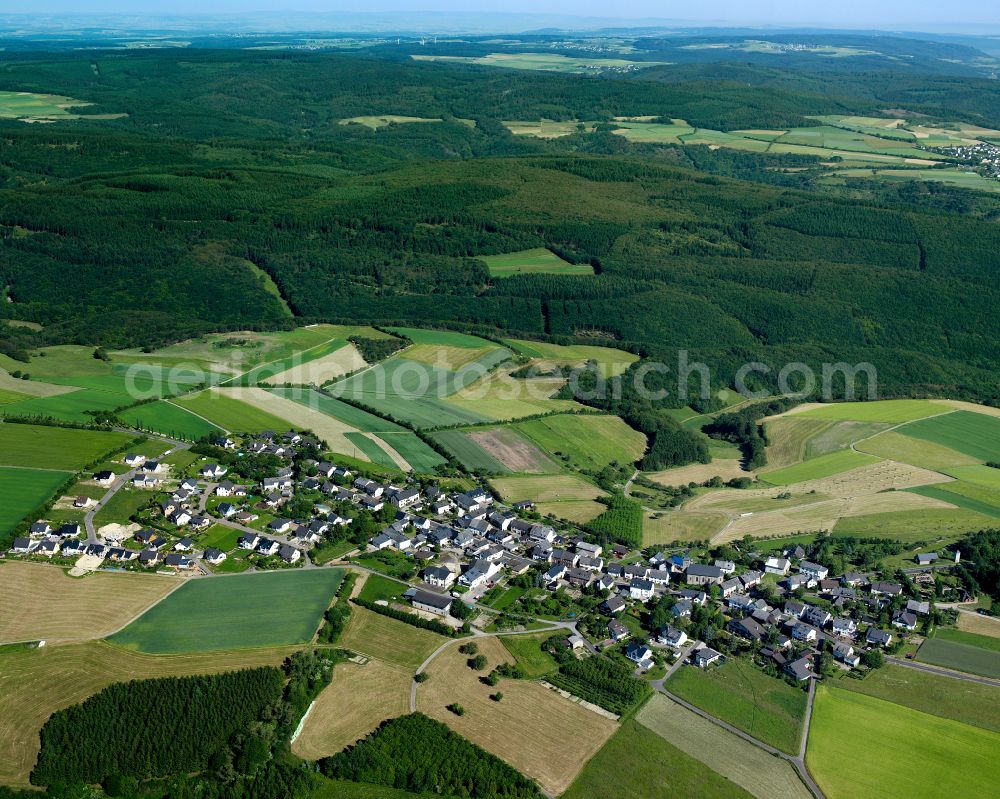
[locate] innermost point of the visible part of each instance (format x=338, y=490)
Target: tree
x=478, y=662
x=873, y=659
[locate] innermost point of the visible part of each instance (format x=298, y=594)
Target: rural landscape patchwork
x=478, y=407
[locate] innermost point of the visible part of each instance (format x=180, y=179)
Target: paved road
x=943, y=672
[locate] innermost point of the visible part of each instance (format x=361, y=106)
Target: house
x=555, y=572
x=245, y=517
x=814, y=571
x=800, y=669
x=741, y=602
x=588, y=549
x=699, y=574
x=845, y=654
x=68, y=530
x=564, y=558
x=439, y=577
x=679, y=563
x=641, y=590
x=542, y=532
x=213, y=471
x=542, y=552
x=639, y=654
x=184, y=545
x=612, y=605
x=747, y=628
x=575, y=641
x=905, y=620
x=804, y=632
x=83, y=502
x=875, y=637
x=606, y=583
x=727, y=567
x=268, y=547
x=341, y=473
x=225, y=488
x=682, y=609
x=617, y=631
x=671, y=636
x=730, y=587
x=40, y=528
x=581, y=578
x=134, y=460
x=73, y=547
x=853, y=579
x=289, y=554
x=751, y=579
x=658, y=577
x=925, y=558
x=594, y=564
x=635, y=571
x=779, y=566
x=431, y=602
x=405, y=498
x=227, y=509
x=105, y=478
x=180, y=517
x=920, y=608
x=794, y=582
x=844, y=627
x=49, y=548
x=153, y=466
x=21, y=546
x=697, y=597
x=524, y=504
x=149, y=557
x=481, y=572
x=886, y=588
x=177, y=560
x=279, y=526
x=705, y=657
x=214, y=556
x=818, y=617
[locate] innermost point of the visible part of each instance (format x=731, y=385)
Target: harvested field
x=924, y=454
x=788, y=436
x=980, y=625
x=527, y=728
x=32, y=388
x=548, y=488
x=888, y=411
x=321, y=370
x=38, y=601
x=680, y=525
x=513, y=450
x=841, y=435
x=577, y=511
x=828, y=465
x=394, y=642
x=753, y=769
x=446, y=356
x=727, y=469
x=914, y=525
x=35, y=683
x=359, y=698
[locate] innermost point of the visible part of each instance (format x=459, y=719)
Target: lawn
x=169, y=419
x=55, y=447
x=743, y=764
x=220, y=537
x=586, y=441
x=896, y=751
x=24, y=490
x=973, y=434
x=507, y=598
x=527, y=651
x=538, y=261
x=125, y=503
x=638, y=764
x=231, y=414
x=888, y=411
x=817, y=468
x=242, y=611
x=962, y=651
x=960, y=700
x=740, y=693
x=377, y=587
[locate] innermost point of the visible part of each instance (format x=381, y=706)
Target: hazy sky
x=891, y=14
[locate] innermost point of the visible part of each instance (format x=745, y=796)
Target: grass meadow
x=538, y=261
x=961, y=655
x=23, y=490
x=55, y=447
x=974, y=434
x=169, y=419
x=243, y=611
x=888, y=411
x=817, y=468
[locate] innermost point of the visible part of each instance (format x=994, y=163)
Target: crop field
x=548, y=488
x=384, y=120
x=894, y=444
x=525, y=728
x=740, y=693
x=242, y=611
x=17, y=390
x=340, y=358
x=918, y=755
x=35, y=683
x=887, y=411
x=538, y=261
x=447, y=356
x=393, y=642
x=298, y=367
x=959, y=700
x=412, y=450
x=586, y=441
x=514, y=450
x=841, y=435
x=818, y=468
x=655, y=132
x=468, y=452
x=609, y=360
x=964, y=495
x=726, y=468
x=55, y=447
x=663, y=527
x=787, y=437
x=38, y=601
x=167, y=418
x=960, y=656
x=339, y=410
x=23, y=490
x=973, y=434
x=366, y=448
x=357, y=700
x=980, y=625
x=914, y=525
x=444, y=338
x=543, y=62
x=639, y=764
x=505, y=398
x=220, y=407
x=7, y=397
x=976, y=474
x=527, y=651
x=575, y=511
x=750, y=767
x=32, y=107
x=958, y=176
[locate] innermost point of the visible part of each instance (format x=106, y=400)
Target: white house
x=779, y=566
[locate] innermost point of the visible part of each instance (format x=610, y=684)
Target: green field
x=965, y=637
x=960, y=656
x=165, y=417
x=974, y=434
x=377, y=587
x=586, y=441
x=416, y=452
x=239, y=612
x=538, y=261
x=268, y=370
x=914, y=525
x=960, y=700
x=610, y=360
x=55, y=447
x=543, y=62
x=231, y=414
x=740, y=693
x=444, y=338
x=33, y=107
x=888, y=411
x=124, y=504
x=638, y=764
x=384, y=120
x=893, y=444
x=528, y=653
x=348, y=414
x=371, y=449
x=862, y=746
x=472, y=456
x=816, y=468
x=23, y=490
x=968, y=496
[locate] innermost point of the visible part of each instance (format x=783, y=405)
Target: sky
x=899, y=15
